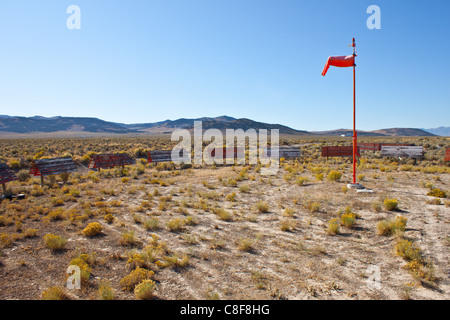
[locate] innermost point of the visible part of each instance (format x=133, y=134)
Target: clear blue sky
x=145, y=61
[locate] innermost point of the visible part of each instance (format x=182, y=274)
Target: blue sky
x=145, y=61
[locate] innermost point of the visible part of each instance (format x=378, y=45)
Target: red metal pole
x=355, y=141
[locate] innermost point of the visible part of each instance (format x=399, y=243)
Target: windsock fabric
x=339, y=61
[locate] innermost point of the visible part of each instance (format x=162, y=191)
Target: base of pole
x=355, y=186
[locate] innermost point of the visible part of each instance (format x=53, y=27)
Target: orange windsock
x=339, y=61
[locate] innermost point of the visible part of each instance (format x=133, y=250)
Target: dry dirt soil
x=278, y=250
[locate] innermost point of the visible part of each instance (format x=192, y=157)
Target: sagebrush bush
x=92, y=229
x=136, y=276
x=287, y=224
x=23, y=175
x=223, y=214
x=408, y=250
x=128, y=238
x=262, y=207
x=348, y=219
x=390, y=204
x=333, y=226
x=301, y=180
x=437, y=193
x=109, y=218
x=105, y=291
x=85, y=270
x=145, y=290
x=334, y=175
x=6, y=240
x=388, y=227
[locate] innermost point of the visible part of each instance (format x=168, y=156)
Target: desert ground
x=226, y=231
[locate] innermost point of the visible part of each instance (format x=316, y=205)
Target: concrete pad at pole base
x=355, y=186
x=364, y=190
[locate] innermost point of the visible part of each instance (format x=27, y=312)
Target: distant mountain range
x=35, y=125
x=441, y=131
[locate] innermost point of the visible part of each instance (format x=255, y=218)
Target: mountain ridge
x=39, y=124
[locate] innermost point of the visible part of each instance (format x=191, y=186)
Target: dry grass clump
x=245, y=244
x=55, y=242
x=173, y=261
x=312, y=206
x=151, y=224
x=287, y=224
x=334, y=175
x=54, y=293
x=128, y=238
x=223, y=214
x=301, y=181
x=262, y=207
x=175, y=224
x=105, y=291
x=388, y=227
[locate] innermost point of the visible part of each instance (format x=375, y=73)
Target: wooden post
x=42, y=180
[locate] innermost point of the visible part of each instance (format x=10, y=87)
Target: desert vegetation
x=225, y=231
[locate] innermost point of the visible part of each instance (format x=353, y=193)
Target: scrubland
x=226, y=231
